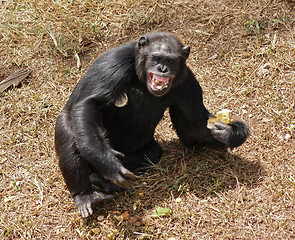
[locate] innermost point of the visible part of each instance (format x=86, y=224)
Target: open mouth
x=158, y=84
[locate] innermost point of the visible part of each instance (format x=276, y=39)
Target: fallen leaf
x=160, y=212
x=14, y=79
x=125, y=215
x=78, y=61
x=136, y=221
x=95, y=230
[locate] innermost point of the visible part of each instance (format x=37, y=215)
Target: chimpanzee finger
x=222, y=126
x=118, y=154
x=220, y=135
x=85, y=210
x=126, y=173
x=108, y=186
x=120, y=181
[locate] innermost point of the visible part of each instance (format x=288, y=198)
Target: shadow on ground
x=202, y=172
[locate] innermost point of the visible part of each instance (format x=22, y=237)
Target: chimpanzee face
x=162, y=61
x=162, y=66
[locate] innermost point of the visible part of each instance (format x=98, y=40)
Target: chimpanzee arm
x=189, y=117
x=93, y=146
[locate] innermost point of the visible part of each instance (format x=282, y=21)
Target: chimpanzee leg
x=140, y=161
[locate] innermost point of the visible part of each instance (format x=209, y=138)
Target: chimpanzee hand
x=116, y=172
x=232, y=135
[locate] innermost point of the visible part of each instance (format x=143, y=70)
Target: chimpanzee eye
x=170, y=61
x=156, y=58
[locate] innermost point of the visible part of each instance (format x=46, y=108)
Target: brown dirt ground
x=243, y=54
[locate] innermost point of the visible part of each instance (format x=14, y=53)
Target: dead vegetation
x=243, y=53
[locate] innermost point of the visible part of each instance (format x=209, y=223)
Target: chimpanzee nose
x=162, y=68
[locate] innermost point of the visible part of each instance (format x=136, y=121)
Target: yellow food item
x=223, y=116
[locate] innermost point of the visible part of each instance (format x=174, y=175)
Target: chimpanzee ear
x=186, y=51
x=143, y=41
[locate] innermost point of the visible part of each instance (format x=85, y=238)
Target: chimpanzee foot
x=83, y=202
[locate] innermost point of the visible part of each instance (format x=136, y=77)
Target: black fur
x=101, y=143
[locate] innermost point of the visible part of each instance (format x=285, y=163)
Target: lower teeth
x=159, y=85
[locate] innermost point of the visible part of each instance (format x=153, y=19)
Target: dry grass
x=243, y=53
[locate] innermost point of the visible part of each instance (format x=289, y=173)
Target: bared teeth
x=158, y=83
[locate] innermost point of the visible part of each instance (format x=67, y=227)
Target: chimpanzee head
x=160, y=62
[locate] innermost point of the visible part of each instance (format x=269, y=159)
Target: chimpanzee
x=104, y=135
